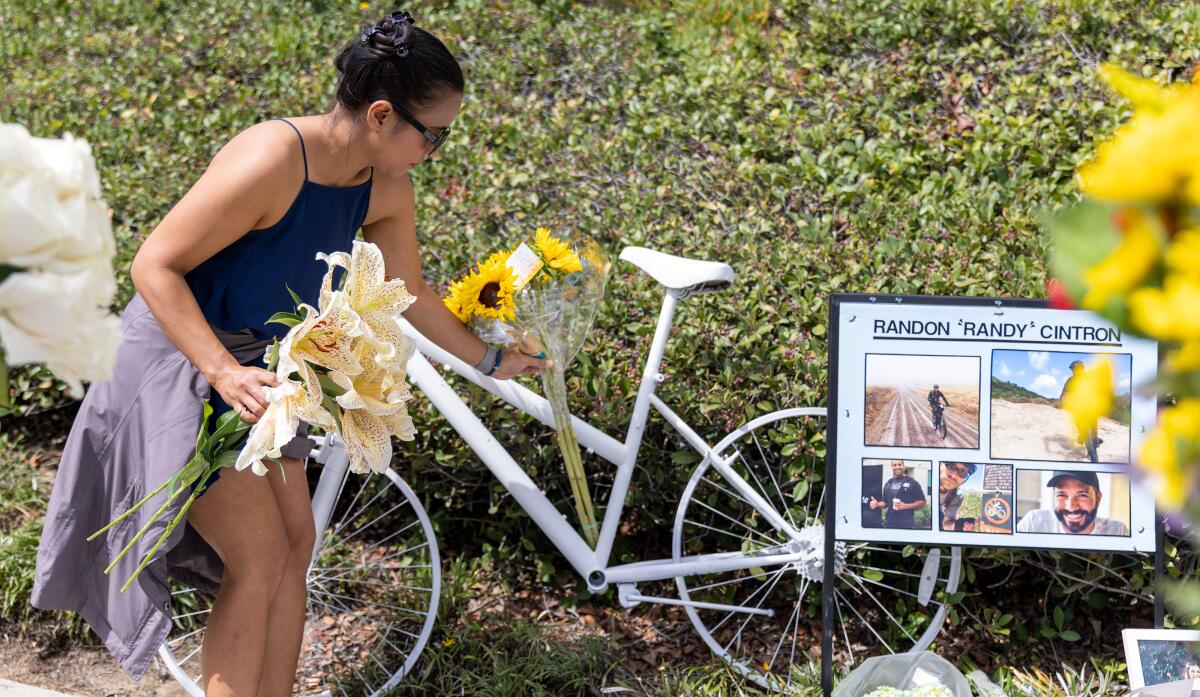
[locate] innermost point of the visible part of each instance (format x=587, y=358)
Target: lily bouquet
x=341, y=367
x=542, y=298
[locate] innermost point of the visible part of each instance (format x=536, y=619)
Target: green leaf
x=1059, y=617
x=685, y=457
x=1069, y=635
x=228, y=458
x=188, y=475
x=288, y=319
x=873, y=575
x=334, y=409
x=1048, y=632
x=295, y=298
x=202, y=435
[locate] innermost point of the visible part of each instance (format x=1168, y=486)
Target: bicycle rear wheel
x=373, y=589
x=887, y=599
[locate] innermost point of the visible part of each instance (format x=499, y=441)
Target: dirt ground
x=81, y=670
x=1027, y=431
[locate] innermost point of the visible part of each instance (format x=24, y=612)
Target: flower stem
x=5, y=401
x=163, y=538
x=554, y=384
x=126, y=514
x=145, y=527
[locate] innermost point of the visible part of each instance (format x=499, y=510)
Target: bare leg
x=239, y=517
x=286, y=619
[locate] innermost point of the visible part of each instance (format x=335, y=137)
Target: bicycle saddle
x=685, y=276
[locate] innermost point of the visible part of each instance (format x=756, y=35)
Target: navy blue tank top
x=242, y=285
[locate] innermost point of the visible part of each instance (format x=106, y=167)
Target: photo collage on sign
x=1012, y=485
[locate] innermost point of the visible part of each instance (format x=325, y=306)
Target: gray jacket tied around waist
x=131, y=434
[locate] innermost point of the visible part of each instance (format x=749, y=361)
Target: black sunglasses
x=436, y=140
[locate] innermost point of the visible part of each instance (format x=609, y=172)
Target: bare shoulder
x=392, y=197
x=265, y=152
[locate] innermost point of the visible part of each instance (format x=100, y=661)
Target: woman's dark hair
x=397, y=61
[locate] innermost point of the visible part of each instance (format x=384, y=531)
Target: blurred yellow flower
x=1167, y=451
x=557, y=254
x=1089, y=395
x=1142, y=94
x=1156, y=155
x=1185, y=358
x=1122, y=270
x=1170, y=312
x=1183, y=255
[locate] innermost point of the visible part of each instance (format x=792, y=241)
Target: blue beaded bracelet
x=496, y=365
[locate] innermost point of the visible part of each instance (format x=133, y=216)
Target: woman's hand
x=241, y=388
x=514, y=363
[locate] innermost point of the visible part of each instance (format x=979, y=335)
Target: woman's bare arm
x=244, y=183
x=395, y=235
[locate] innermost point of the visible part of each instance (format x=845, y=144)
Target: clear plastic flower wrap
x=542, y=299
x=921, y=674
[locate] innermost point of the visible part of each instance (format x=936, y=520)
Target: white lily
x=289, y=402
x=323, y=338
x=371, y=293
x=380, y=388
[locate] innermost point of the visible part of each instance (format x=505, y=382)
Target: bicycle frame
x=591, y=564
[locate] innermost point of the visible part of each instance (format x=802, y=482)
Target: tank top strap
x=303, y=151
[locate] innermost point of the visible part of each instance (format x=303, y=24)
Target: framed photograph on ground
x=1157, y=656
x=946, y=418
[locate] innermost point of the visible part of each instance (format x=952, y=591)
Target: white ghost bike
x=747, y=556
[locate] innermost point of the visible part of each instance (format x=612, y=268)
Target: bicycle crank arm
x=628, y=596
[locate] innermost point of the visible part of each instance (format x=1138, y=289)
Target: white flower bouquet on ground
x=921, y=674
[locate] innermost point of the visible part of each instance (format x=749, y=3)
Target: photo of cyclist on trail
x=1027, y=418
x=938, y=401
x=922, y=401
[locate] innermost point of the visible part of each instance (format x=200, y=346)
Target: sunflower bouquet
x=341, y=367
x=1130, y=251
x=543, y=299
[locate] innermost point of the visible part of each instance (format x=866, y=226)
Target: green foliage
x=1003, y=389
x=899, y=146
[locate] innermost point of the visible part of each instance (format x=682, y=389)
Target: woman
x=218, y=265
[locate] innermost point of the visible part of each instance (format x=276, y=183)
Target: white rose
x=28, y=236
x=16, y=152
x=62, y=320
x=69, y=164
x=50, y=206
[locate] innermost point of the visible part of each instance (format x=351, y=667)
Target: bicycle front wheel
x=373, y=589
x=887, y=599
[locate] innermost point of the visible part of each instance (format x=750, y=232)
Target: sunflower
x=557, y=255
x=457, y=302
x=486, y=292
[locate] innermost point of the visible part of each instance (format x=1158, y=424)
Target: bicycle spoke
x=795, y=617
x=730, y=613
x=741, y=628
x=349, y=537
x=346, y=517
x=862, y=619
x=774, y=542
x=771, y=473
x=892, y=617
